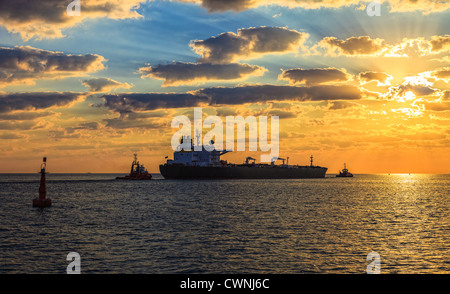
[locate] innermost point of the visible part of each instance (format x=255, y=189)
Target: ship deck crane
x=248, y=159
x=282, y=159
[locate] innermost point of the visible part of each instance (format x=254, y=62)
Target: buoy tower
x=41, y=201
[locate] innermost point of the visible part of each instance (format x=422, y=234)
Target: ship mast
x=135, y=164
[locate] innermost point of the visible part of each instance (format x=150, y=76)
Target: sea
x=320, y=226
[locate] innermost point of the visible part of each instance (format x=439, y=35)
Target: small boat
x=344, y=173
x=138, y=172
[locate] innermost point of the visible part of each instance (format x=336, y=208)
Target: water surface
x=232, y=226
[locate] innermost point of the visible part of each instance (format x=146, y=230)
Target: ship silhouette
x=344, y=173
x=188, y=163
x=138, y=172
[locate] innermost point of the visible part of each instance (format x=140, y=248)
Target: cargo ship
x=188, y=163
x=138, y=172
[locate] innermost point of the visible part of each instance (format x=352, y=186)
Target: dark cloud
x=282, y=114
x=418, y=90
x=24, y=115
x=47, y=18
x=221, y=5
x=439, y=43
x=84, y=126
x=443, y=74
x=336, y=105
x=121, y=123
x=262, y=93
x=18, y=125
x=425, y=6
x=35, y=100
x=28, y=63
x=180, y=73
x=314, y=76
x=247, y=43
x=126, y=104
x=381, y=77
x=11, y=136
x=363, y=45
x=104, y=84
x=130, y=102
x=438, y=106
x=401, y=92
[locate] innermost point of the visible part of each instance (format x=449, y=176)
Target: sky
x=88, y=91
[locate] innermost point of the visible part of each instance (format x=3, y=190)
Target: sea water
x=162, y=226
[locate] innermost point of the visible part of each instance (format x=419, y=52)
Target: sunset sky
x=88, y=91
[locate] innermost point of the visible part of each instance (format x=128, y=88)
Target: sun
x=409, y=96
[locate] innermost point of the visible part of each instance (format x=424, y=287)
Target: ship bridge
x=187, y=154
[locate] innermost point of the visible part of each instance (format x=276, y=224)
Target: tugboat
x=138, y=172
x=345, y=173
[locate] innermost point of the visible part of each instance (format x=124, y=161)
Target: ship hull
x=172, y=171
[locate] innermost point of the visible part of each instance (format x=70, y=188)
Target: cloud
x=363, y=45
x=84, y=126
x=24, y=64
x=263, y=93
x=18, y=125
x=282, y=114
x=124, y=123
x=366, y=46
x=415, y=91
x=24, y=115
x=442, y=74
x=418, y=47
x=130, y=102
x=47, y=18
x=438, y=106
x=382, y=78
x=336, y=105
x=136, y=102
x=36, y=100
x=247, y=43
x=221, y=6
x=11, y=136
x=179, y=73
x=425, y=6
x=104, y=84
x=314, y=76
x=440, y=43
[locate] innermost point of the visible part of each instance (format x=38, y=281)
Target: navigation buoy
x=41, y=201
